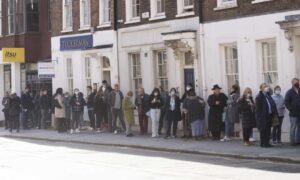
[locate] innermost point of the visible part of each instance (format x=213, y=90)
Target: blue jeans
x=295, y=130
x=229, y=128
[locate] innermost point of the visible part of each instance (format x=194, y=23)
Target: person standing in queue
x=217, y=103
x=5, y=101
x=155, y=109
x=14, y=110
x=186, y=126
x=265, y=113
x=142, y=104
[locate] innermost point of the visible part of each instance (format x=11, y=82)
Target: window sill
x=224, y=7
x=84, y=28
x=185, y=14
x=66, y=30
x=260, y=1
x=157, y=17
x=104, y=25
x=133, y=20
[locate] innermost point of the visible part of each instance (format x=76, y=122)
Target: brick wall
x=246, y=8
x=57, y=17
x=170, y=6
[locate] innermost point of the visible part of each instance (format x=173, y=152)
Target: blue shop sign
x=76, y=43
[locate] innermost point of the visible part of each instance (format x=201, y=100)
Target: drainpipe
x=202, y=49
x=116, y=27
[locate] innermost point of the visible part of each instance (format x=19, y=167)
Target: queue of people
x=110, y=110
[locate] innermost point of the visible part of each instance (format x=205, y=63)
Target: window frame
x=129, y=12
x=260, y=1
x=85, y=14
x=155, y=15
x=65, y=18
x=70, y=75
x=1, y=18
x=183, y=11
x=233, y=61
x=222, y=4
x=136, y=77
x=269, y=72
x=88, y=70
x=103, y=10
x=164, y=59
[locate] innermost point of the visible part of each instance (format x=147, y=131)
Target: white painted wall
x=2, y=89
x=246, y=32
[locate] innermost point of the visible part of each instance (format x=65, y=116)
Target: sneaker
x=71, y=131
x=225, y=139
x=98, y=130
x=246, y=144
x=252, y=140
x=115, y=132
x=77, y=131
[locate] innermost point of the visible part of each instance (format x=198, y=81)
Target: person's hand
x=217, y=102
x=153, y=101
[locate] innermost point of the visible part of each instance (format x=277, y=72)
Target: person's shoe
x=167, y=137
x=246, y=144
x=71, y=131
x=10, y=131
x=98, y=130
x=115, y=132
x=252, y=140
x=17, y=130
x=77, y=131
x=274, y=142
x=225, y=139
x=268, y=146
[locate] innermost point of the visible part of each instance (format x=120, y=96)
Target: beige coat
x=60, y=112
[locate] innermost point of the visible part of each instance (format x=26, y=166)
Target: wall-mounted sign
x=76, y=43
x=145, y=15
x=13, y=55
x=46, y=70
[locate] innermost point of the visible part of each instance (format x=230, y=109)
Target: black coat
x=45, y=102
x=27, y=101
x=99, y=104
x=262, y=115
x=292, y=102
x=158, y=104
x=246, y=109
x=91, y=100
x=195, y=107
x=173, y=115
x=142, y=102
x=14, y=106
x=215, y=123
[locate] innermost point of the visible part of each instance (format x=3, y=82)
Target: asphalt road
x=42, y=160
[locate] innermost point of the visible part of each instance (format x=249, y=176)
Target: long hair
x=155, y=90
x=59, y=91
x=246, y=92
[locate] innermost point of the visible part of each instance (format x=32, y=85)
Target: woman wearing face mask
x=246, y=109
x=279, y=101
x=128, y=109
x=186, y=125
x=173, y=113
x=155, y=105
x=77, y=103
x=265, y=112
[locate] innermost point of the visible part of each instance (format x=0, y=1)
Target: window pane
x=269, y=62
x=231, y=65
x=32, y=17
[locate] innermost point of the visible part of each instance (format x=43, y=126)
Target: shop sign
x=13, y=55
x=76, y=43
x=46, y=70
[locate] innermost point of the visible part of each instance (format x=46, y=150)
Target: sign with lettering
x=76, y=43
x=13, y=55
x=46, y=70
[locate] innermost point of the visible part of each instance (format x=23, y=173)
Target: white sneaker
x=115, y=132
x=77, y=131
x=98, y=130
x=252, y=140
x=72, y=131
x=225, y=139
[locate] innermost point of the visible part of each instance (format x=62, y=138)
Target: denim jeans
x=229, y=128
x=295, y=130
x=118, y=114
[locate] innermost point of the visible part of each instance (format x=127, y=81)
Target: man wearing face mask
x=292, y=103
x=77, y=104
x=265, y=112
x=27, y=106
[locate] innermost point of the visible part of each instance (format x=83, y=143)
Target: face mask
x=76, y=92
x=188, y=88
x=248, y=95
x=172, y=93
x=155, y=94
x=277, y=92
x=266, y=89
x=296, y=85
x=103, y=88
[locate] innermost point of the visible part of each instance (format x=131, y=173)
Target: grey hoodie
x=279, y=101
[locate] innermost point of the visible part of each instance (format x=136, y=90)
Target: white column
x=16, y=78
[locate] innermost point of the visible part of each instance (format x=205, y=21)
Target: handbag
x=56, y=104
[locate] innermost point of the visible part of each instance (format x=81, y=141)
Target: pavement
x=232, y=149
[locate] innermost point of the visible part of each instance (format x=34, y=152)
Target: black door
x=189, y=77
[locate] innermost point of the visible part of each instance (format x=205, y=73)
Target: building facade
x=250, y=42
x=84, y=43
x=24, y=24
